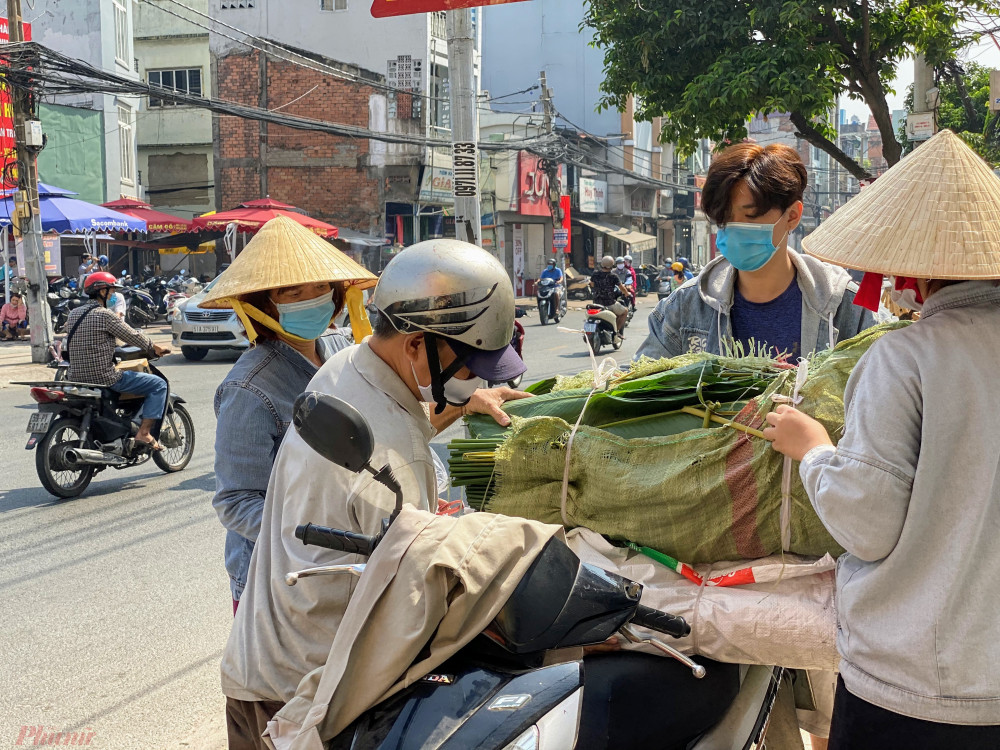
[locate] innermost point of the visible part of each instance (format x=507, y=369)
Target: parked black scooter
x=497, y=692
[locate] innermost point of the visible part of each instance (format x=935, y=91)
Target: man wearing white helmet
x=443, y=327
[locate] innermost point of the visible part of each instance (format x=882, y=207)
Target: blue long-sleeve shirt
x=253, y=406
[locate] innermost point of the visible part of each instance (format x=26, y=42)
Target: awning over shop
x=636, y=240
x=357, y=238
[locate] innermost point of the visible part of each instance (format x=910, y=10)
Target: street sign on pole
x=388, y=8
x=560, y=239
x=995, y=91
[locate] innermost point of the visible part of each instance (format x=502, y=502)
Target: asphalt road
x=117, y=604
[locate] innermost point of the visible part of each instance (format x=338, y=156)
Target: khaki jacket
x=434, y=583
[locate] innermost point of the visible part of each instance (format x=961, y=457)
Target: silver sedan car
x=196, y=330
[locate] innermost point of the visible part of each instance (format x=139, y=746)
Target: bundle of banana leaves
x=668, y=454
x=706, y=393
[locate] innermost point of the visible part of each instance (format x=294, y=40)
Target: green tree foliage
x=707, y=66
x=963, y=107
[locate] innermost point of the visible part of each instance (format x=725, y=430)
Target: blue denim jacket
x=253, y=407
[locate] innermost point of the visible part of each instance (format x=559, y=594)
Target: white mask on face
x=621, y=266
x=456, y=392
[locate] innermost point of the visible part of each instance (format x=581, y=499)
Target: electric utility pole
x=464, y=125
x=28, y=142
x=925, y=98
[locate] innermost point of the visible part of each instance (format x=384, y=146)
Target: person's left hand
x=489, y=401
x=793, y=433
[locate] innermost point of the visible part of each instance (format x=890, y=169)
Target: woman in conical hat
x=912, y=490
x=287, y=286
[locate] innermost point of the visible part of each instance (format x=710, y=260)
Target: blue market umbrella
x=66, y=215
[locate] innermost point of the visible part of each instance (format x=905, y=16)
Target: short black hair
x=775, y=174
x=381, y=325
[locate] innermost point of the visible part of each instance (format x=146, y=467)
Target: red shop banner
x=8, y=154
x=533, y=186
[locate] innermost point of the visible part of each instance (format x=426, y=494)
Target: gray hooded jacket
x=695, y=318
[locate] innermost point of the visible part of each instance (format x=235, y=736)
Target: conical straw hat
x=284, y=253
x=934, y=215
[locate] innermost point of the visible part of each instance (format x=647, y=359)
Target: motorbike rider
x=632, y=272
x=93, y=330
x=552, y=271
x=681, y=271
x=445, y=312
x=606, y=287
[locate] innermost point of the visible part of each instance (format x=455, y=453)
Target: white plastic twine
x=786, y=470
x=602, y=374
x=229, y=240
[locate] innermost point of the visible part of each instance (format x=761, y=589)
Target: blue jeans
x=150, y=386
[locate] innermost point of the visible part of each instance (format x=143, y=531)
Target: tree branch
x=955, y=71
x=808, y=132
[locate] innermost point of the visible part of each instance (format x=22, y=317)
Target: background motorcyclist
x=552, y=271
x=606, y=287
x=94, y=330
x=633, y=274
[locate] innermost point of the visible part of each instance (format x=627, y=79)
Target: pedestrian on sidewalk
x=912, y=490
x=13, y=318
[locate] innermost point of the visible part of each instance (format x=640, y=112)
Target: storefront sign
x=51, y=254
x=518, y=243
x=465, y=159
x=437, y=186
x=593, y=196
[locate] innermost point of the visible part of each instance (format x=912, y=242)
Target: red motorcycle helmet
x=95, y=282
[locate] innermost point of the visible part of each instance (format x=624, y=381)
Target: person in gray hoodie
x=912, y=490
x=761, y=297
x=760, y=292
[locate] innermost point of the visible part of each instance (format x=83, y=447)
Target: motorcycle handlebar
x=342, y=541
x=661, y=622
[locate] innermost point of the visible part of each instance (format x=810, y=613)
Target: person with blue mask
x=759, y=294
x=287, y=287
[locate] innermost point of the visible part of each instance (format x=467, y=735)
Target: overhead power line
x=42, y=70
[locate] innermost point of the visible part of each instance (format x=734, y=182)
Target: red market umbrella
x=252, y=215
x=157, y=222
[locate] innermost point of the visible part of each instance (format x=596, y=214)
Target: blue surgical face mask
x=747, y=246
x=307, y=319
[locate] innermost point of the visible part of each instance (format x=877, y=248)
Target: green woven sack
x=702, y=495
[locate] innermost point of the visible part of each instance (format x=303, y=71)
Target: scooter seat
x=595, y=307
x=635, y=700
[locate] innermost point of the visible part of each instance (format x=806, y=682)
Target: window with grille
x=333, y=4
x=183, y=80
x=126, y=142
x=123, y=34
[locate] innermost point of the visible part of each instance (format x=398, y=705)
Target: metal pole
x=924, y=99
x=30, y=219
x=464, y=125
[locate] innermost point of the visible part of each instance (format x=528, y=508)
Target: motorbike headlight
x=527, y=741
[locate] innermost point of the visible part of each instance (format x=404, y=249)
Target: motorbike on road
x=600, y=329
x=80, y=429
x=545, y=295
x=501, y=690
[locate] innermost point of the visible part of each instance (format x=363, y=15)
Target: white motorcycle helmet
x=628, y=258
x=454, y=291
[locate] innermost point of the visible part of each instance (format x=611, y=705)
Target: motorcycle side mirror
x=334, y=429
